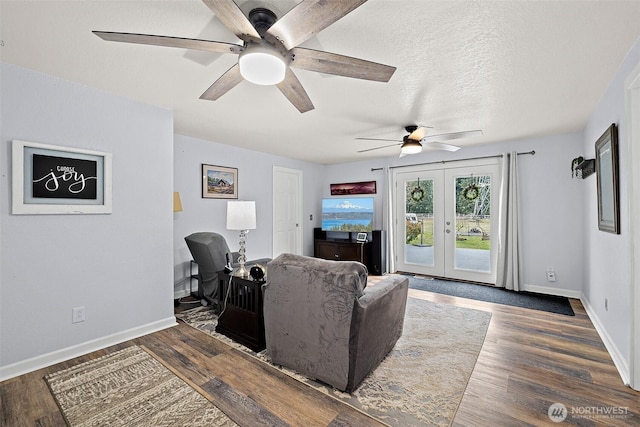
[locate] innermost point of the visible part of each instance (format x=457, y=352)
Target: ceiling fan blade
x=452, y=135
x=167, y=41
x=232, y=17
x=295, y=93
x=379, y=139
x=224, y=84
x=441, y=146
x=307, y=19
x=419, y=133
x=340, y=65
x=378, y=148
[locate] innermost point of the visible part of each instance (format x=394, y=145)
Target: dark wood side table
x=241, y=317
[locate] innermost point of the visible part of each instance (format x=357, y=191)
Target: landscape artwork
x=348, y=214
x=366, y=187
x=219, y=182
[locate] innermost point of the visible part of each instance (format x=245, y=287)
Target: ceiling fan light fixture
x=262, y=65
x=411, y=146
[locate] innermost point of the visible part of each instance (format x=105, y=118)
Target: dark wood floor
x=530, y=360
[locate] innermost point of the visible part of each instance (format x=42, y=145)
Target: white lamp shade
x=241, y=215
x=411, y=147
x=261, y=65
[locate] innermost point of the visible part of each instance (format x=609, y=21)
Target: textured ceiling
x=512, y=69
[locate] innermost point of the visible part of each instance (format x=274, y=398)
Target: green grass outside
x=464, y=226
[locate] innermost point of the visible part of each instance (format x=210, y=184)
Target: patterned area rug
x=130, y=388
x=422, y=380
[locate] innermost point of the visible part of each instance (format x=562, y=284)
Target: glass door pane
x=418, y=224
x=473, y=223
x=419, y=206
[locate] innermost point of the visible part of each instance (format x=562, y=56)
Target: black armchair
x=209, y=251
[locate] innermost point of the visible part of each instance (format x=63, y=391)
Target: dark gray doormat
x=549, y=303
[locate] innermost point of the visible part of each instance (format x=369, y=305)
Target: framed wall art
x=367, y=187
x=219, y=182
x=607, y=181
x=50, y=179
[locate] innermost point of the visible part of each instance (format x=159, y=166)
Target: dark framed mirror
x=607, y=178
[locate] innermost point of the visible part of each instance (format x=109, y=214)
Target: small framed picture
x=219, y=182
x=361, y=237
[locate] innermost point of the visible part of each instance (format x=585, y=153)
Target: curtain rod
x=532, y=152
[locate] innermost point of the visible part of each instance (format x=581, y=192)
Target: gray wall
x=607, y=260
x=117, y=266
x=255, y=182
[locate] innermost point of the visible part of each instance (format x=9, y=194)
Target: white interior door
x=445, y=219
x=287, y=211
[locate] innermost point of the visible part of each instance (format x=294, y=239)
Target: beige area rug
x=130, y=388
x=422, y=380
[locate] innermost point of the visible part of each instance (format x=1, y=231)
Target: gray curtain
x=387, y=216
x=509, y=239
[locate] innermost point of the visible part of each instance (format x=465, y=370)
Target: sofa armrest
x=377, y=322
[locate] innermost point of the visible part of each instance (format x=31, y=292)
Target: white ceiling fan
x=413, y=142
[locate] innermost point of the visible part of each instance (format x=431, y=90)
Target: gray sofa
x=322, y=321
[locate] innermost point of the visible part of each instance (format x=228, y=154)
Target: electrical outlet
x=77, y=315
x=551, y=276
x=606, y=304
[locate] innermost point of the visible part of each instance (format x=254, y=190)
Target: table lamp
x=241, y=215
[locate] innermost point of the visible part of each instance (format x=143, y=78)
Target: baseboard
x=180, y=293
x=616, y=356
x=552, y=291
x=58, y=356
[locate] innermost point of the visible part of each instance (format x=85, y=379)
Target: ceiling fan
x=270, y=47
x=412, y=143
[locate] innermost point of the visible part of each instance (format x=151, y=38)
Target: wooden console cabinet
x=339, y=246
x=341, y=250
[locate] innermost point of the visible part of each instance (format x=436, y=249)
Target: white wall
x=551, y=204
x=255, y=182
x=117, y=266
x=607, y=256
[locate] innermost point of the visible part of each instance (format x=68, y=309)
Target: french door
x=445, y=218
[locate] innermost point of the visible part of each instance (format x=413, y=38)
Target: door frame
x=489, y=161
x=632, y=110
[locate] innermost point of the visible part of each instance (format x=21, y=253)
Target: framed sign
x=219, y=182
x=50, y=179
x=607, y=180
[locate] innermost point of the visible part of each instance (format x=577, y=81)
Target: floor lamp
x=241, y=215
